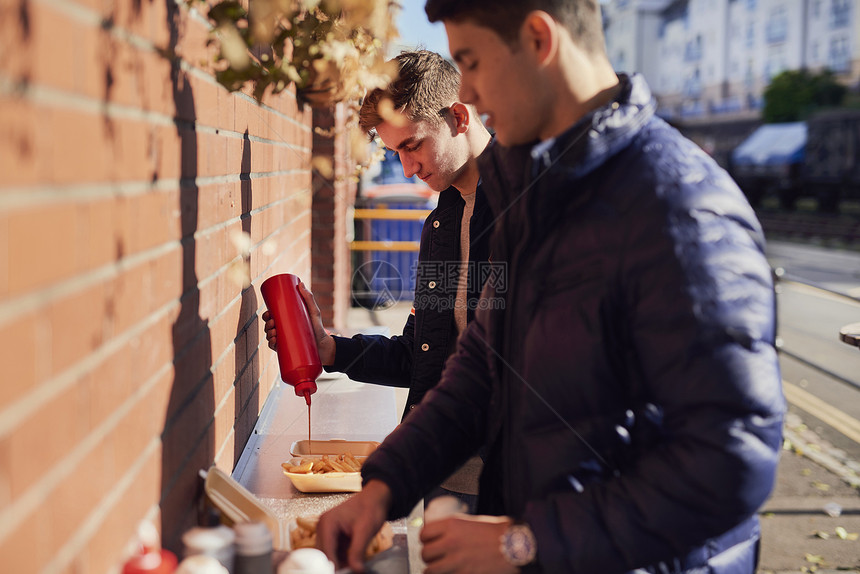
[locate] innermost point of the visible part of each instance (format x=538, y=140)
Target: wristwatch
x=518, y=545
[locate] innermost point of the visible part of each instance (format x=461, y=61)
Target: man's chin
x=510, y=138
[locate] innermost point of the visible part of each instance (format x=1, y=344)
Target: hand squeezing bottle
x=298, y=358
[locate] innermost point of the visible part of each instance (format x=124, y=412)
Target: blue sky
x=415, y=30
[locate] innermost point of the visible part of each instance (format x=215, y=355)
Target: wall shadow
x=247, y=388
x=188, y=434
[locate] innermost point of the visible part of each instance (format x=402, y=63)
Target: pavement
x=810, y=523
x=812, y=520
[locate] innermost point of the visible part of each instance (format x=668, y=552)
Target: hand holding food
x=304, y=535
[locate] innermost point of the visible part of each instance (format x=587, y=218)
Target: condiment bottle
x=306, y=561
x=150, y=557
x=298, y=357
x=151, y=562
x=201, y=564
x=253, y=548
x=215, y=541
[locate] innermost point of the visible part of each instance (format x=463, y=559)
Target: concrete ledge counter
x=340, y=409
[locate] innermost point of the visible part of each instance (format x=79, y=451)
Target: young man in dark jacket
x=438, y=139
x=629, y=391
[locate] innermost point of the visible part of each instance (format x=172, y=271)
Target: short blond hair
x=426, y=85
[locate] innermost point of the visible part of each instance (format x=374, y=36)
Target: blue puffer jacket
x=629, y=391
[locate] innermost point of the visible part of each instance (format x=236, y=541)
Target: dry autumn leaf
x=814, y=558
x=845, y=535
x=822, y=486
x=323, y=166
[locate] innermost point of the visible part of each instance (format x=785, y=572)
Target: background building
x=712, y=59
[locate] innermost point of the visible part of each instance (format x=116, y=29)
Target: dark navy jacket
x=629, y=392
x=415, y=358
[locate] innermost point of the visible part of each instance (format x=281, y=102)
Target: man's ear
x=539, y=33
x=460, y=117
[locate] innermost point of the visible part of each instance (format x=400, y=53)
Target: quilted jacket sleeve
x=444, y=430
x=375, y=358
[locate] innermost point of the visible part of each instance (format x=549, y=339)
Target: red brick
x=127, y=146
x=5, y=477
x=15, y=61
x=166, y=153
x=136, y=430
x=23, y=549
x=147, y=220
x=22, y=145
x=167, y=277
x=79, y=493
x=47, y=436
x=103, y=552
x=111, y=383
x=102, y=240
x=80, y=146
x=50, y=28
x=154, y=349
x=77, y=326
x=43, y=247
x=179, y=501
x=131, y=297
x=18, y=355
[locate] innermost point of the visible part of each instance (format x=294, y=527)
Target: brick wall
x=334, y=189
x=131, y=356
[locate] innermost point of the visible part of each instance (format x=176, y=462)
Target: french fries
x=304, y=535
x=345, y=462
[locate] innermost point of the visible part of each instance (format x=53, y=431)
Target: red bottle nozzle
x=305, y=389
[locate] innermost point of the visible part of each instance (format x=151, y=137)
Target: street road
x=819, y=293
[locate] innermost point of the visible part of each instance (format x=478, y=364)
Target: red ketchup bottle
x=298, y=357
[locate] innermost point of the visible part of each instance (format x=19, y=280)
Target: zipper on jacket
x=508, y=435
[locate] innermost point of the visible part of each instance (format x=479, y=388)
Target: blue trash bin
x=381, y=278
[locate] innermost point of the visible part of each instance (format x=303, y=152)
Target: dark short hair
x=505, y=17
x=425, y=86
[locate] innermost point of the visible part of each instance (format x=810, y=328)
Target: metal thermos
x=298, y=357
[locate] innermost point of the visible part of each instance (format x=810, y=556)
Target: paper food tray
x=333, y=446
x=239, y=505
x=324, y=482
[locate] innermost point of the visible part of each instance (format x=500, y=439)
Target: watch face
x=519, y=545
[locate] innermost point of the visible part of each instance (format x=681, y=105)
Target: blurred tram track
x=818, y=291
x=830, y=229
x=801, y=353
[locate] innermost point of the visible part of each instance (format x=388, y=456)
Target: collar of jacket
x=451, y=197
x=583, y=147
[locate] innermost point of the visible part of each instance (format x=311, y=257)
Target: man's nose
x=467, y=94
x=410, y=167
